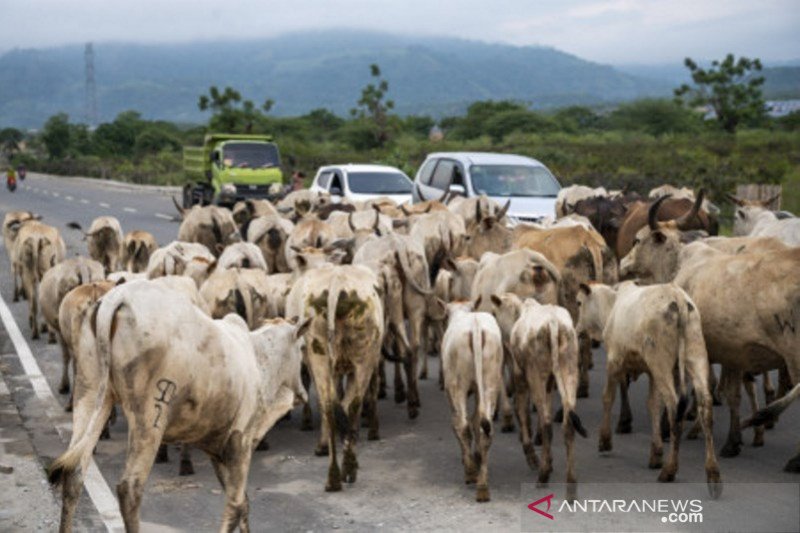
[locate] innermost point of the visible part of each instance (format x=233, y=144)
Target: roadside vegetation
x=639, y=144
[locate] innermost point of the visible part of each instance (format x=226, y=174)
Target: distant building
x=436, y=134
x=781, y=108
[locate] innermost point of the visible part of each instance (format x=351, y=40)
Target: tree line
x=692, y=136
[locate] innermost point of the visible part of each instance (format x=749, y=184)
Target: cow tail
x=103, y=321
x=339, y=416
x=683, y=324
x=476, y=337
x=568, y=394
x=771, y=412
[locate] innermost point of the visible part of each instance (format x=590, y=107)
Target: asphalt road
x=411, y=479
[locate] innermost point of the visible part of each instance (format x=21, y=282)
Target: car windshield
x=379, y=182
x=513, y=180
x=250, y=155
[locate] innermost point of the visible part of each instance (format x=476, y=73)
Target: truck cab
x=229, y=168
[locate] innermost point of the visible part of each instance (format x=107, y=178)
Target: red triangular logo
x=548, y=499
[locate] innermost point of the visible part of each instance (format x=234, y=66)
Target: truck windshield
x=379, y=182
x=513, y=180
x=250, y=155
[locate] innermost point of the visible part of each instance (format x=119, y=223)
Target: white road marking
x=129, y=209
x=103, y=204
x=163, y=216
x=99, y=491
x=70, y=198
x=84, y=201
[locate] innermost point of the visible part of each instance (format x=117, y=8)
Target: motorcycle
x=21, y=171
x=11, y=183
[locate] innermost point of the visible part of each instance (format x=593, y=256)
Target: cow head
x=605, y=213
x=654, y=257
x=748, y=212
x=595, y=301
x=506, y=309
x=487, y=234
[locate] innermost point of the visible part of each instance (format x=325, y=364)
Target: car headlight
x=228, y=189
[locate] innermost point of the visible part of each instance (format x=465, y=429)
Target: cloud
x=601, y=30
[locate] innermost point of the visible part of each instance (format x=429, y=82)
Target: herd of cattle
x=211, y=339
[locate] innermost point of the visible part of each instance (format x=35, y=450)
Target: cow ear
x=302, y=328
x=659, y=237
x=219, y=247
x=477, y=303
x=301, y=261
x=585, y=289
x=496, y=300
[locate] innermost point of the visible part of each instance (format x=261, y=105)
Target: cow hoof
x=399, y=396
x=413, y=412
x=693, y=433
x=382, y=393
x=350, y=477
x=666, y=477
x=714, y=484
x=559, y=417
x=624, y=427
x=35, y=336
x=758, y=440
x=321, y=450
x=186, y=468
x=604, y=445
x=68, y=407
x=51, y=339
x=482, y=494
x=423, y=374
x=769, y=425
x=373, y=435
x=655, y=463
x=544, y=478
x=730, y=450
x=64, y=388
x=716, y=400
x=333, y=486
x=583, y=390
x=793, y=466
x=470, y=477
x=507, y=427
x=537, y=439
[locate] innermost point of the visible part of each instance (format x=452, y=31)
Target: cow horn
x=428, y=209
x=377, y=221
x=478, y=214
x=769, y=201
x=503, y=210
x=180, y=209
x=446, y=192
x=350, y=222
x=683, y=222
x=733, y=199
x=404, y=210
x=651, y=214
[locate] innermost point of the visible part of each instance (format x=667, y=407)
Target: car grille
x=252, y=191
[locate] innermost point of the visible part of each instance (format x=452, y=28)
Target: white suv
x=363, y=182
x=529, y=185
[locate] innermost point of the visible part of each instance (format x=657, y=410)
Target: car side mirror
x=458, y=189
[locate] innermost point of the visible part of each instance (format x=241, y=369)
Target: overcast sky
x=608, y=31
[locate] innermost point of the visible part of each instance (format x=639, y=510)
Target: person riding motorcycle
x=21, y=172
x=11, y=180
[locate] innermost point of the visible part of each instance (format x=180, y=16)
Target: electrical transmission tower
x=91, y=88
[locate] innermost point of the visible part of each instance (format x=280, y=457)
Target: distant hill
x=303, y=71
x=781, y=83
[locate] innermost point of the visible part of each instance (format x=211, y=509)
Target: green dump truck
x=229, y=168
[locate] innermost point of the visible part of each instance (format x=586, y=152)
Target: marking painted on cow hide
x=167, y=389
x=789, y=323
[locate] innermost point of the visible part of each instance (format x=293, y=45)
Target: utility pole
x=91, y=88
